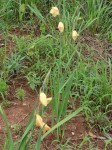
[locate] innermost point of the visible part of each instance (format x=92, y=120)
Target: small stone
x=24, y=104
x=73, y=133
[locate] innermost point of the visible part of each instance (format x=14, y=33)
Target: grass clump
x=20, y=94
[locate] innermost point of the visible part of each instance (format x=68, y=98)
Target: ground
x=18, y=113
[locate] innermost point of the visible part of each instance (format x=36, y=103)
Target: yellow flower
x=61, y=27
x=39, y=120
x=74, y=35
x=44, y=100
x=54, y=11
x=41, y=124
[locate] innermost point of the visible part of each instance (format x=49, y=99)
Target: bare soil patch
x=102, y=48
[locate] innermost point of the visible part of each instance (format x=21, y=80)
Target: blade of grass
x=30, y=125
x=37, y=146
x=35, y=10
x=11, y=143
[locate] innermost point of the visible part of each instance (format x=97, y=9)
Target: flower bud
x=61, y=27
x=74, y=35
x=44, y=100
x=54, y=11
x=41, y=124
x=39, y=120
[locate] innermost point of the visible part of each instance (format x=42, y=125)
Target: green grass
x=57, y=65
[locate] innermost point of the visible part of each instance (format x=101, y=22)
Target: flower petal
x=49, y=100
x=45, y=128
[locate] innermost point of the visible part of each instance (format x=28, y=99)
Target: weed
x=6, y=104
x=33, y=81
x=3, y=88
x=20, y=94
x=16, y=128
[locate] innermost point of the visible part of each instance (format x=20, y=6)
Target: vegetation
x=55, y=60
x=20, y=94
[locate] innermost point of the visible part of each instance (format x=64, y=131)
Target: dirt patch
x=9, y=43
x=102, y=48
x=18, y=112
